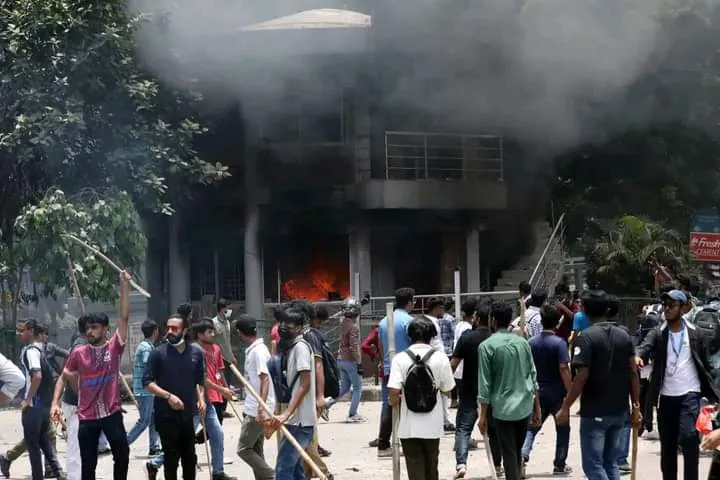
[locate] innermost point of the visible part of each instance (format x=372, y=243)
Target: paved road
x=351, y=458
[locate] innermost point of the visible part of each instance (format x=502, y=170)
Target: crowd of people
x=504, y=373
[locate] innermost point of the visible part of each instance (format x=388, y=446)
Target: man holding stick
x=95, y=368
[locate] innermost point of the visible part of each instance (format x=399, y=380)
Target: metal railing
x=551, y=265
x=443, y=156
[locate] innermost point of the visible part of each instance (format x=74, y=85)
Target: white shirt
x=257, y=357
x=460, y=328
x=421, y=425
x=300, y=359
x=681, y=376
x=436, y=342
x=533, y=322
x=12, y=378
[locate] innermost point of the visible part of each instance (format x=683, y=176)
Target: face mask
x=228, y=313
x=285, y=332
x=174, y=340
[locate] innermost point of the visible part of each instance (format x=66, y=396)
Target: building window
x=313, y=119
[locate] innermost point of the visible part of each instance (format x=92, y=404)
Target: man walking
x=466, y=355
x=251, y=441
x=38, y=397
x=349, y=359
x=680, y=379
x=435, y=312
x=145, y=401
x=175, y=375
x=223, y=338
x=606, y=378
x=507, y=383
x=551, y=359
x=404, y=303
x=95, y=368
x=418, y=377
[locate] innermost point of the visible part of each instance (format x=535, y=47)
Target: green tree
x=625, y=258
x=108, y=222
x=78, y=111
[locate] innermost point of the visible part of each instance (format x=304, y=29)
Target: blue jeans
x=600, y=446
x=289, y=465
x=464, y=423
x=350, y=377
x=146, y=420
x=625, y=442
x=216, y=438
x=549, y=405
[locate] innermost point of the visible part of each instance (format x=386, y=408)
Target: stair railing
x=549, y=268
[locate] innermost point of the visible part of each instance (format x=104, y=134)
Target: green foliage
x=624, y=259
x=107, y=222
x=78, y=111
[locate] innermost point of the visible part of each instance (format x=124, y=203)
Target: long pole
x=78, y=295
x=318, y=473
x=633, y=464
x=395, y=410
x=458, y=299
x=205, y=435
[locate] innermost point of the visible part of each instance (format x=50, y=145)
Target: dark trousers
x=220, y=410
x=385, y=428
x=511, y=436
x=36, y=427
x=676, y=424
x=421, y=457
x=715, y=467
x=647, y=408
x=465, y=422
x=88, y=437
x=177, y=438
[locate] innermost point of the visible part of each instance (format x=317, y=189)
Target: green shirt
x=506, y=377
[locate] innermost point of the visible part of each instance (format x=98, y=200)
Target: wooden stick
x=522, y=318
x=78, y=295
x=395, y=443
x=633, y=464
x=97, y=252
x=205, y=435
x=319, y=473
x=237, y=415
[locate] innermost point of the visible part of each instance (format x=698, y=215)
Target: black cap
x=246, y=325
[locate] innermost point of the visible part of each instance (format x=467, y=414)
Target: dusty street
x=351, y=458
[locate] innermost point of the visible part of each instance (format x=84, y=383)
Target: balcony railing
x=442, y=156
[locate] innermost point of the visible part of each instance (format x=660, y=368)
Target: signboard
x=707, y=221
x=705, y=247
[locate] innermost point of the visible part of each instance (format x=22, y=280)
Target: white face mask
x=228, y=314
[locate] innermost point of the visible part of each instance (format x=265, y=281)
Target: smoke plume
x=528, y=69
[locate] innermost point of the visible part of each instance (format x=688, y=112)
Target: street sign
x=705, y=246
x=707, y=221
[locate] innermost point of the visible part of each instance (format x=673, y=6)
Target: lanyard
x=677, y=351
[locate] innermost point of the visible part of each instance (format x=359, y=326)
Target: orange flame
x=319, y=283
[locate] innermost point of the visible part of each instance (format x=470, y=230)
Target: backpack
x=707, y=321
x=47, y=385
x=51, y=357
x=331, y=371
x=277, y=366
x=419, y=389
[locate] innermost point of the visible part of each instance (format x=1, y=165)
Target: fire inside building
x=333, y=181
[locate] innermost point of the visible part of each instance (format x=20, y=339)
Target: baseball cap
x=677, y=295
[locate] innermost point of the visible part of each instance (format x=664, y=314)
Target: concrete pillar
x=383, y=262
x=360, y=260
x=254, y=297
x=472, y=260
x=451, y=257
x=178, y=264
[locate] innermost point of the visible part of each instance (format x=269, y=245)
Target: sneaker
x=104, y=451
x=5, y=466
x=522, y=468
x=323, y=453
x=625, y=469
x=449, y=427
x=325, y=414
x=499, y=472
x=222, y=476
x=385, y=453
x=50, y=474
x=473, y=444
x=565, y=470
x=155, y=452
x=651, y=435
x=152, y=470
x=373, y=443
x=460, y=471
x=355, y=419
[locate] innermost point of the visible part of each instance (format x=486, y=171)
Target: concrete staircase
x=523, y=269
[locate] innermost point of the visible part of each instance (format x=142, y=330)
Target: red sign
x=705, y=247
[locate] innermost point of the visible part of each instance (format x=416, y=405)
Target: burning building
x=336, y=179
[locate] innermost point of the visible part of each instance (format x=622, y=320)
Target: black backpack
x=419, y=389
x=277, y=366
x=47, y=385
x=329, y=362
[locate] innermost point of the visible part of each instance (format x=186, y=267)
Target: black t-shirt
x=467, y=350
x=606, y=350
x=178, y=373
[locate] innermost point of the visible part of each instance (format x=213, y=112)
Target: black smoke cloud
x=527, y=69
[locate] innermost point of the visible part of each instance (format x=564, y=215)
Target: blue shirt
x=580, y=322
x=401, y=321
x=142, y=353
x=549, y=351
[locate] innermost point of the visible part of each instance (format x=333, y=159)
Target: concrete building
x=332, y=178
